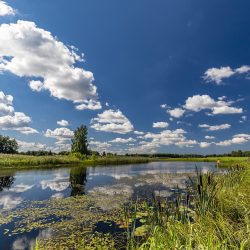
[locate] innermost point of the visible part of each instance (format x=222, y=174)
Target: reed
x=213, y=214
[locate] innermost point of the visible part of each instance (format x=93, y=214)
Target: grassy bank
x=26, y=161
x=215, y=214
x=224, y=161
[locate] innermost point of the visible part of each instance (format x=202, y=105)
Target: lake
x=38, y=203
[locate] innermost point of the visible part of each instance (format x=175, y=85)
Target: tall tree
x=80, y=140
x=8, y=145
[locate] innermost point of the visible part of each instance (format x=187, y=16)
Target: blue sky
x=144, y=76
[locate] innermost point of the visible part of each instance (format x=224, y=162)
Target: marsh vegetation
x=161, y=205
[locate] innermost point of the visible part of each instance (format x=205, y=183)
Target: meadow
x=20, y=161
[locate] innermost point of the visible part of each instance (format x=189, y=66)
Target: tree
x=80, y=140
x=8, y=145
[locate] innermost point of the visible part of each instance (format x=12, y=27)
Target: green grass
x=224, y=161
x=25, y=161
x=220, y=212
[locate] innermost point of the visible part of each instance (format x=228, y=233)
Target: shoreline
x=26, y=162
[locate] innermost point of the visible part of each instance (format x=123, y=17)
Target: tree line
x=80, y=147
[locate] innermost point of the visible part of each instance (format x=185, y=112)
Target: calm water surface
x=135, y=180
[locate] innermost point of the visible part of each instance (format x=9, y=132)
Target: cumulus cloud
x=205, y=144
x=176, y=112
x=59, y=133
x=243, y=69
x=160, y=125
x=5, y=9
x=208, y=137
x=215, y=127
x=200, y=102
x=237, y=139
x=11, y=120
x=89, y=104
x=63, y=123
x=99, y=146
x=164, y=106
x=112, y=121
x=138, y=132
x=218, y=74
x=122, y=140
x=36, y=85
x=152, y=141
x=24, y=146
x=29, y=51
x=6, y=104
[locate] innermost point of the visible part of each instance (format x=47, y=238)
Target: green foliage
x=80, y=140
x=8, y=145
x=214, y=216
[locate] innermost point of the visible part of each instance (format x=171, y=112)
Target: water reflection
x=109, y=186
x=6, y=182
x=78, y=180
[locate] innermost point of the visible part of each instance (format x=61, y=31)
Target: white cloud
x=237, y=139
x=218, y=74
x=215, y=127
x=164, y=106
x=29, y=51
x=226, y=110
x=99, y=146
x=36, y=85
x=5, y=9
x=11, y=120
x=200, y=102
x=112, y=121
x=138, y=132
x=208, y=137
x=243, y=69
x=122, y=140
x=153, y=141
x=24, y=146
x=6, y=107
x=19, y=119
x=160, y=125
x=176, y=112
x=59, y=133
x=205, y=144
x=186, y=143
x=63, y=123
x=89, y=104
x=26, y=130
x=243, y=119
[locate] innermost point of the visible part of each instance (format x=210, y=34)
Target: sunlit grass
x=220, y=216
x=27, y=161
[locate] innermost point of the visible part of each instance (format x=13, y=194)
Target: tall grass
x=27, y=161
x=213, y=214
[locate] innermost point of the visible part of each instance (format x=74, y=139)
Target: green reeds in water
x=214, y=213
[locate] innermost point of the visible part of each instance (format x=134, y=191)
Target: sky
x=144, y=76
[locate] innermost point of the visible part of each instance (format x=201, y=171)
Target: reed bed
x=213, y=214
